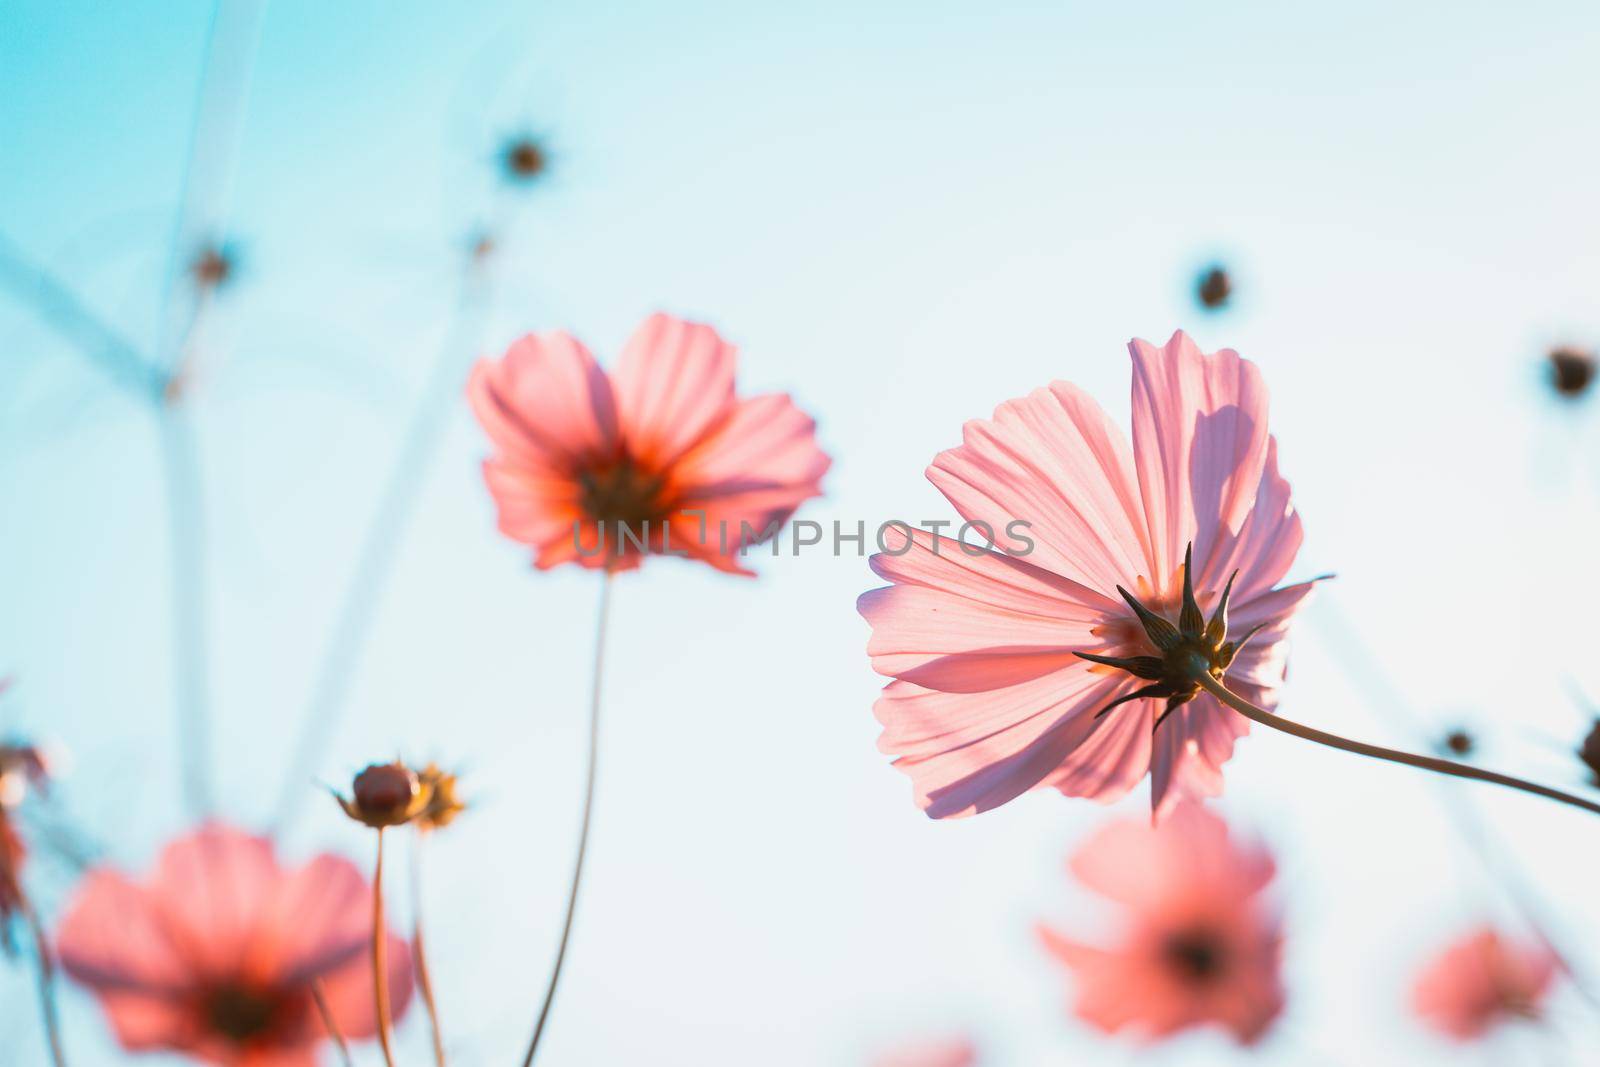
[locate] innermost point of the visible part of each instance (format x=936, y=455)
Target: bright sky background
x=904, y=213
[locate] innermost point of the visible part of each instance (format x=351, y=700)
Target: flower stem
x=588, y=807
x=47, y=984
x=1429, y=763
x=419, y=953
x=332, y=1024
x=380, y=962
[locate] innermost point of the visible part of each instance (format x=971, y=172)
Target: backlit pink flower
x=1199, y=946
x=1481, y=981
x=215, y=955
x=659, y=456
x=990, y=698
x=936, y=1052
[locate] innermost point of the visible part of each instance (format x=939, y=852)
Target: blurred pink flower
x=645, y=449
x=215, y=955
x=1200, y=945
x=1482, y=980
x=990, y=699
x=935, y=1052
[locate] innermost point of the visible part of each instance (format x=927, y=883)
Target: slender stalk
x=380, y=961
x=47, y=984
x=1361, y=748
x=419, y=953
x=583, y=832
x=320, y=995
x=186, y=537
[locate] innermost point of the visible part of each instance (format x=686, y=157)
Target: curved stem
x=47, y=984
x=1361, y=748
x=380, y=962
x=419, y=954
x=583, y=832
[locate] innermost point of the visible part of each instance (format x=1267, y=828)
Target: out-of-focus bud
x=1589, y=753
x=212, y=267
x=523, y=159
x=384, y=795
x=444, y=799
x=1571, y=370
x=1459, y=742
x=1215, y=288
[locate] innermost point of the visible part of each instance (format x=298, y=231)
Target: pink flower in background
x=215, y=955
x=581, y=455
x=990, y=698
x=935, y=1052
x=1199, y=945
x=1481, y=981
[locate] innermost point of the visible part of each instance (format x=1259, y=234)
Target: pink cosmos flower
x=216, y=954
x=1200, y=945
x=992, y=695
x=657, y=457
x=1481, y=981
x=936, y=1052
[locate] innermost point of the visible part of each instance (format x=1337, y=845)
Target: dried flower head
x=444, y=799
x=212, y=267
x=1215, y=288
x=523, y=159
x=384, y=795
x=21, y=767
x=1571, y=370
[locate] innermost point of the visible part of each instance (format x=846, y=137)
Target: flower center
x=242, y=1014
x=1186, y=652
x=1196, y=956
x=622, y=494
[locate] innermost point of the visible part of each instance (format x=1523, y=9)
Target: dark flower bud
x=1589, y=752
x=1571, y=370
x=212, y=267
x=1459, y=742
x=523, y=159
x=385, y=794
x=1215, y=288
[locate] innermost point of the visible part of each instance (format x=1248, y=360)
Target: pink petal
x=319, y=919
x=1199, y=443
x=213, y=888
x=145, y=1023
x=1115, y=757
x=1264, y=547
x=1008, y=746
x=765, y=442
x=674, y=385
x=546, y=402
x=1052, y=460
x=112, y=938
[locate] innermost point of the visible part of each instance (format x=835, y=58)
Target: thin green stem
x=1361, y=748
x=583, y=832
x=330, y=1023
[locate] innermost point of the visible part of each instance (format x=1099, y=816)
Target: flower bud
x=385, y=794
x=1589, y=753
x=1215, y=288
x=1571, y=371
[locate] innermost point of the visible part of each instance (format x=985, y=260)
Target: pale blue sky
x=904, y=214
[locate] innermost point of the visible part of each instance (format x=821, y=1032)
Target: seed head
x=444, y=800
